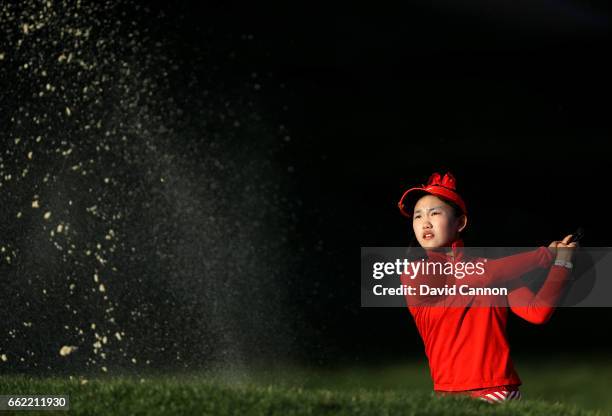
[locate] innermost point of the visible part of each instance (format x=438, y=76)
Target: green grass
x=572, y=389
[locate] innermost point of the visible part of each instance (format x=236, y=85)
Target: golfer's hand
x=562, y=249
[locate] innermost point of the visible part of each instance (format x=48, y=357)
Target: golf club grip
x=578, y=234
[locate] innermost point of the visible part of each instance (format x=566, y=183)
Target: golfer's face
x=433, y=222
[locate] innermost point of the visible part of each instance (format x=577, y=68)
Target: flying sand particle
x=67, y=350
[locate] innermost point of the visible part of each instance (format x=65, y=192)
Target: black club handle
x=578, y=234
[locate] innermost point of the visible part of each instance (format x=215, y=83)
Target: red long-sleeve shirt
x=466, y=345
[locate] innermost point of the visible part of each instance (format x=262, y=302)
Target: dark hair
x=456, y=210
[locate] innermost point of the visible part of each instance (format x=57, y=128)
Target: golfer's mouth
x=428, y=236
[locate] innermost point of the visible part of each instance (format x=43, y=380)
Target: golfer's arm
x=537, y=308
x=511, y=267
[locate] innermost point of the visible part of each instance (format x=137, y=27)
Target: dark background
x=513, y=98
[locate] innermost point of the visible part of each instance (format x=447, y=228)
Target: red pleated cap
x=441, y=186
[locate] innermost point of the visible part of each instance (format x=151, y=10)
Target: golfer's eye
x=417, y=216
x=435, y=213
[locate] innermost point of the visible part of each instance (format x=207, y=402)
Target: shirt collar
x=440, y=254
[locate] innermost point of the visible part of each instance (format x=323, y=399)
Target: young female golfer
x=465, y=343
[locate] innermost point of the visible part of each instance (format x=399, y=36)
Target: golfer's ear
x=462, y=222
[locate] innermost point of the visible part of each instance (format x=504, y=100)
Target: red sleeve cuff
x=546, y=257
